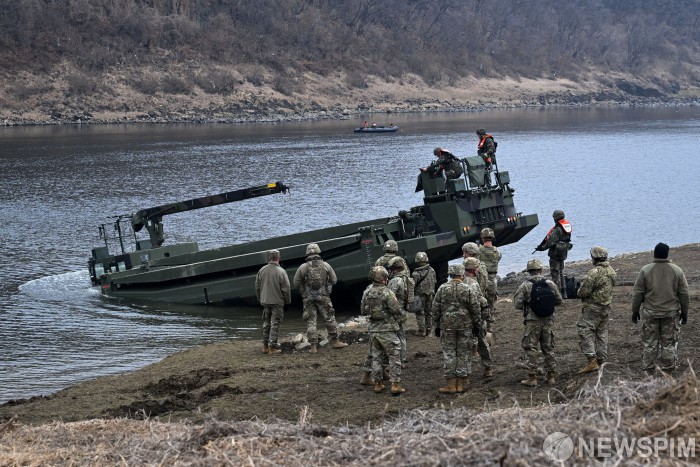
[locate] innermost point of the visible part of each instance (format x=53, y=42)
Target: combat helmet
x=391, y=246
x=455, y=270
x=421, y=257
x=480, y=132
x=599, y=253
x=534, y=265
x=395, y=263
x=313, y=249
x=378, y=274
x=471, y=264
x=437, y=151
x=471, y=248
x=487, y=233
x=558, y=215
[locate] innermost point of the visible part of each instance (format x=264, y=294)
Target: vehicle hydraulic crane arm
x=152, y=218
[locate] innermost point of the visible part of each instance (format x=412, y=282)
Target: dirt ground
x=235, y=381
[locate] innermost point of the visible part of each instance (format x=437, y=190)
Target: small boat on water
x=377, y=129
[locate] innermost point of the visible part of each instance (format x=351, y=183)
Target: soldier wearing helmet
x=382, y=308
x=447, y=162
x=596, y=295
x=536, y=298
x=558, y=242
x=486, y=148
x=476, y=271
x=425, y=279
x=491, y=257
x=457, y=318
x=314, y=279
x=391, y=248
x=273, y=292
x=401, y=283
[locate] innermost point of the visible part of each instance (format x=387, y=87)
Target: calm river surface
x=626, y=178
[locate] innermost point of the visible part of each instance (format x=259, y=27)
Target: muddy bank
x=234, y=381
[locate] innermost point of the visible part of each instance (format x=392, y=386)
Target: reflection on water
x=609, y=169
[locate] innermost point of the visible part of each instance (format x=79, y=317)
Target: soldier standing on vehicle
x=447, y=162
x=486, y=148
x=458, y=318
x=424, y=277
x=558, y=242
x=380, y=305
x=273, y=292
x=596, y=295
x=536, y=298
x=490, y=256
x=661, y=291
x=402, y=285
x=314, y=280
x=471, y=276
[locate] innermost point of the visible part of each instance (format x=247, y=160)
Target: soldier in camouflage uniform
x=558, y=243
x=390, y=251
x=538, y=331
x=661, y=291
x=490, y=256
x=471, y=250
x=402, y=285
x=447, y=162
x=380, y=305
x=273, y=292
x=314, y=280
x=458, y=318
x=471, y=276
x=596, y=295
x=424, y=278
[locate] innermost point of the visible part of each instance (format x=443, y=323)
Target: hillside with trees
x=228, y=60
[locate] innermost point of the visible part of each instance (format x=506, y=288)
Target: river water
x=626, y=178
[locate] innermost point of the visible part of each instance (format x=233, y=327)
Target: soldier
x=314, y=280
x=424, y=277
x=486, y=147
x=402, y=285
x=380, y=305
x=446, y=161
x=661, y=290
x=558, y=242
x=273, y=292
x=536, y=298
x=471, y=276
x=471, y=250
x=390, y=249
x=458, y=318
x=596, y=295
x=490, y=256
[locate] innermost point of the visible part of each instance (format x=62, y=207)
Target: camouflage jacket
x=402, y=286
x=486, y=147
x=596, y=288
x=483, y=303
x=482, y=276
x=522, y=297
x=490, y=257
x=425, y=279
x=663, y=289
x=456, y=306
x=384, y=260
x=557, y=235
x=380, y=305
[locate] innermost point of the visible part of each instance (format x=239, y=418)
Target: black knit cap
x=661, y=251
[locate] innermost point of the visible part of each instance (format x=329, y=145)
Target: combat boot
x=396, y=389
x=274, y=350
x=337, y=344
x=313, y=348
x=378, y=387
x=551, y=378
x=460, y=383
x=591, y=366
x=266, y=348
x=488, y=373
x=451, y=387
x=366, y=379
x=531, y=380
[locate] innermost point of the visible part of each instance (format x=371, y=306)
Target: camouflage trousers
x=385, y=347
x=539, y=338
x=272, y=319
x=592, y=328
x=424, y=316
x=556, y=269
x=401, y=333
x=456, y=353
x=491, y=294
x=660, y=341
x=482, y=347
x=324, y=308
x=367, y=366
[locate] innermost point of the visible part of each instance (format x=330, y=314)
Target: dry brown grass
x=509, y=436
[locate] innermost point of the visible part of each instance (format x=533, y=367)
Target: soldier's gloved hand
x=437, y=332
x=684, y=319
x=635, y=317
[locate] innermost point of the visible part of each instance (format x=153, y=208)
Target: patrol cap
x=558, y=215
x=471, y=264
x=391, y=246
x=378, y=274
x=487, y=233
x=395, y=263
x=421, y=257
x=534, y=265
x=599, y=252
x=455, y=270
x=313, y=249
x=471, y=248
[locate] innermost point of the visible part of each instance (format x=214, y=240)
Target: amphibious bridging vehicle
x=453, y=212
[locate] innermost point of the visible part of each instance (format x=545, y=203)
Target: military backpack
x=316, y=278
x=541, y=299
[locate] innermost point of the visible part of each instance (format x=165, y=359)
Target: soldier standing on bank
x=471, y=250
x=558, y=242
x=424, y=278
x=661, y=291
x=596, y=295
x=379, y=304
x=314, y=280
x=273, y=292
x=471, y=277
x=536, y=298
x=458, y=318
x=391, y=249
x=402, y=285
x=490, y=256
